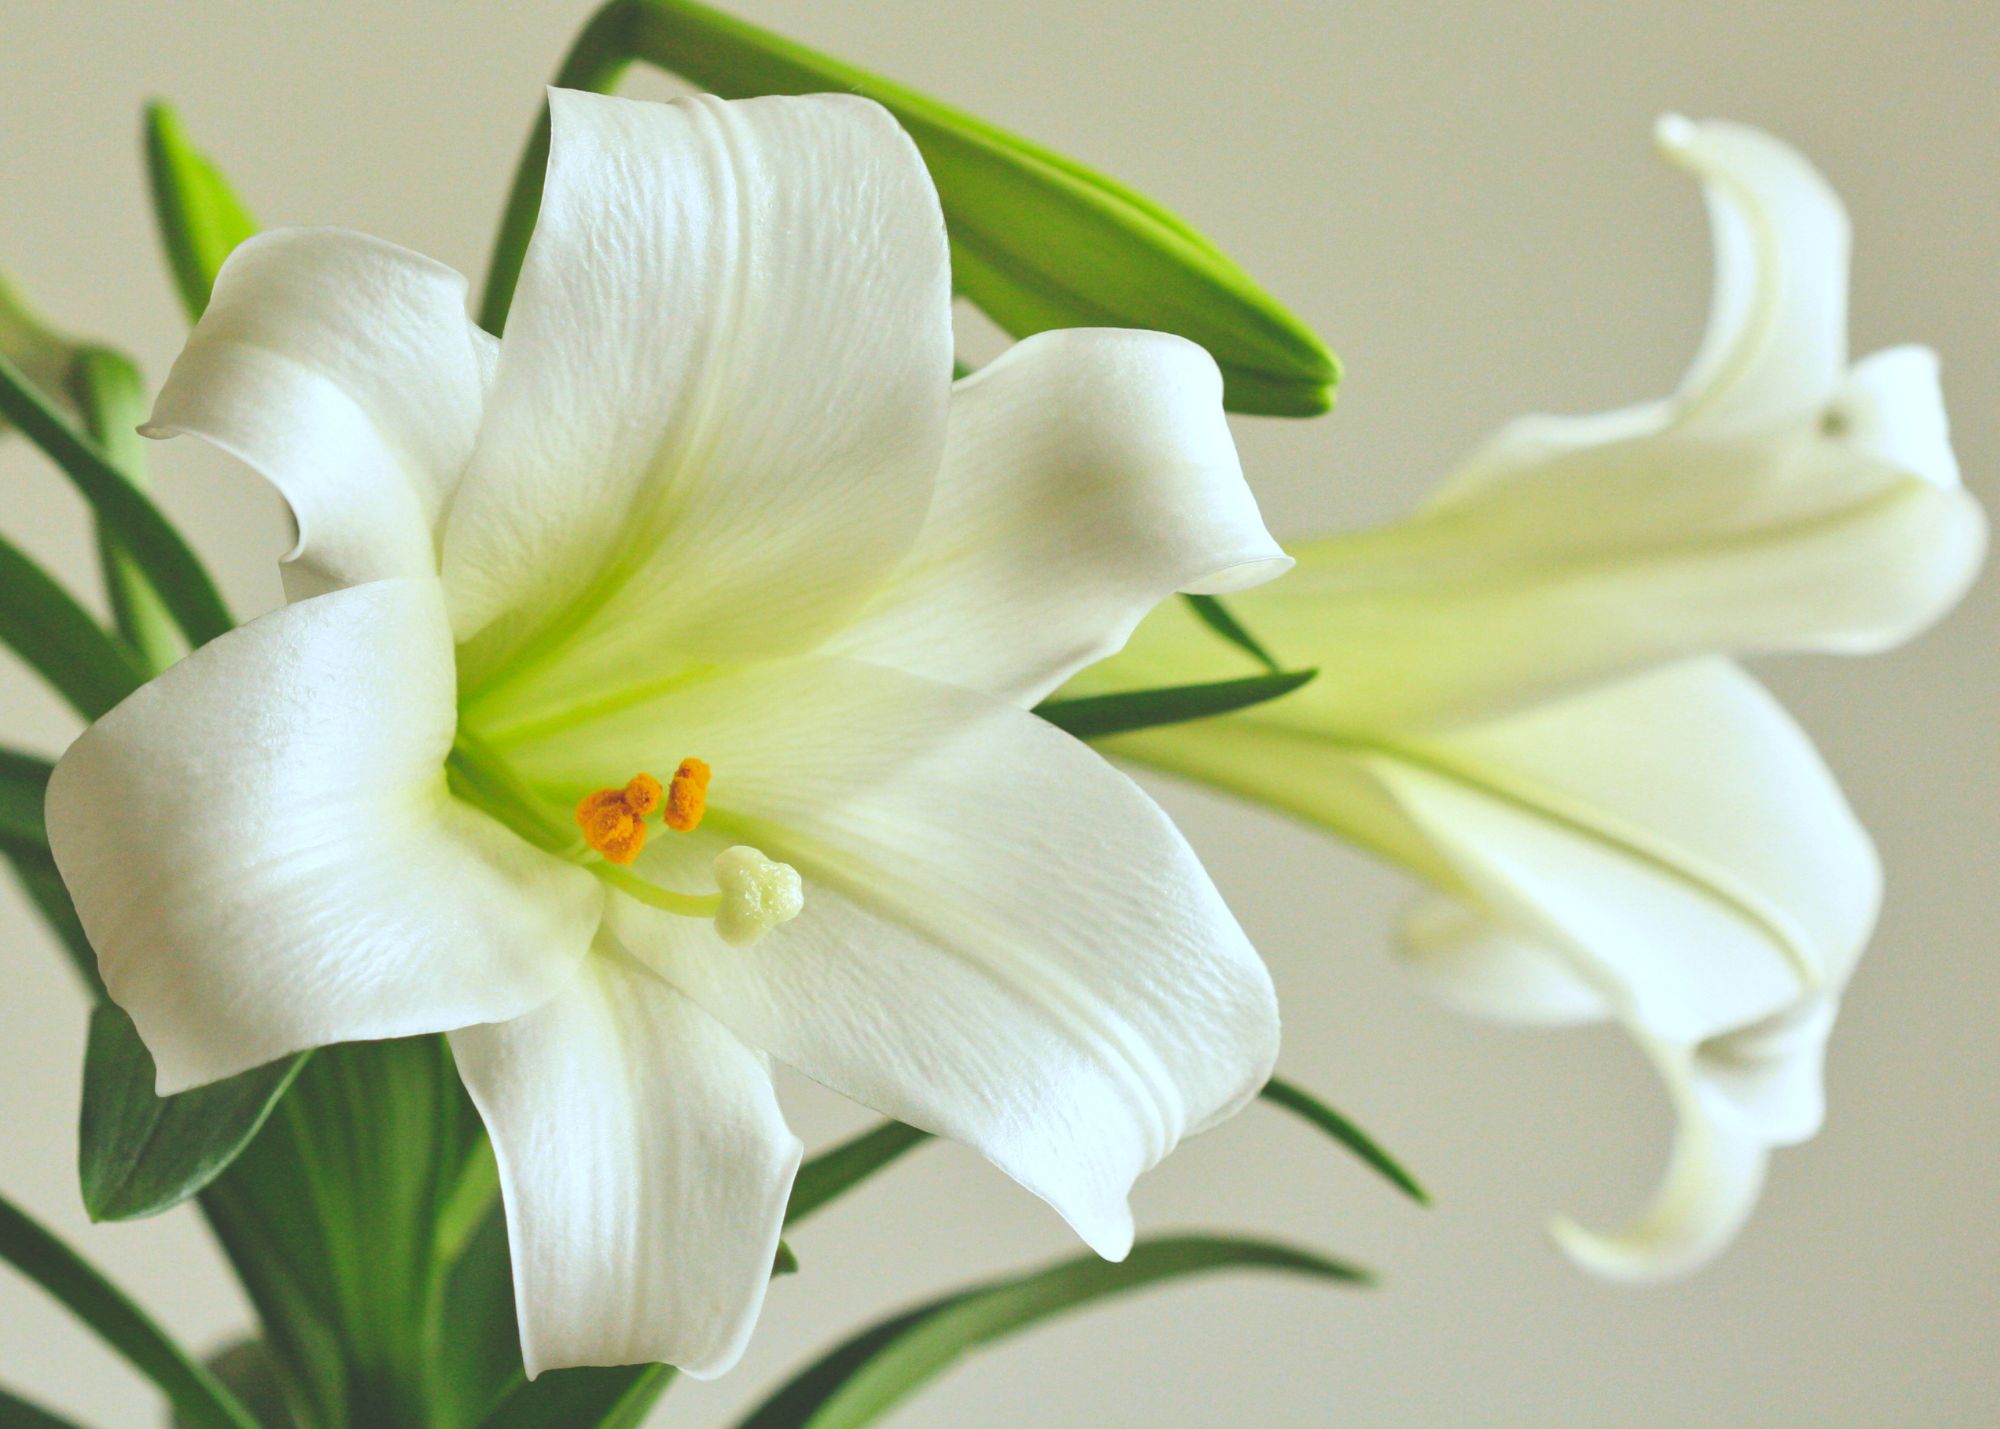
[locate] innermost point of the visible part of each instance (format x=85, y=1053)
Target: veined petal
x=644, y=1166
x=1004, y=941
x=1776, y=344
x=1088, y=474
x=721, y=398
x=1711, y=1186
x=346, y=371
x=1675, y=835
x=1599, y=564
x=265, y=857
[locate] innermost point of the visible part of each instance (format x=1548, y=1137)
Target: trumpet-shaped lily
x=652, y=700
x=1523, y=698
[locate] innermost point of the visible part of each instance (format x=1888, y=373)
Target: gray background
x=1464, y=201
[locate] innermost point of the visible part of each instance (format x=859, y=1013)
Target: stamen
x=687, y=798
x=754, y=893
x=643, y=794
x=610, y=825
x=613, y=820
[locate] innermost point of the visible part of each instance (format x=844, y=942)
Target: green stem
x=172, y=567
x=108, y=392
x=199, y=1399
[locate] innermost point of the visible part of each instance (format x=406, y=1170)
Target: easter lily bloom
x=1523, y=697
x=653, y=700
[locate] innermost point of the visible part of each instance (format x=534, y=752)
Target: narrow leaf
x=1038, y=240
x=247, y=1368
x=200, y=218
x=617, y=1397
x=139, y=1153
x=24, y=787
x=36, y=871
x=112, y=400
x=18, y=1413
x=837, y=1170
x=1219, y=618
x=61, y=641
x=1303, y=1103
x=861, y=1380
x=1100, y=716
x=196, y=1395
x=127, y=513
x=31, y=344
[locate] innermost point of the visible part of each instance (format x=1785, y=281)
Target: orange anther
x=687, y=796
x=643, y=794
x=610, y=826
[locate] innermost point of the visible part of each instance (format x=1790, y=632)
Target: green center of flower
x=753, y=893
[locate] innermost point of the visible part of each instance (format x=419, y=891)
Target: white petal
x=1675, y=835
x=1088, y=475
x=721, y=398
x=1774, y=1070
x=644, y=1165
x=1711, y=1186
x=1892, y=406
x=1603, y=562
x=346, y=371
x=265, y=857
x=1477, y=966
x=1698, y=767
x=1004, y=941
x=1776, y=344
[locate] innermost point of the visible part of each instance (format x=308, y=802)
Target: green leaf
x=482, y=1363
x=862, y=1379
x=112, y=400
x=331, y=1217
x=61, y=641
x=126, y=512
x=617, y=1397
x=1218, y=617
x=139, y=1153
x=29, y=343
x=1100, y=716
x=24, y=788
x=845, y=1166
x=200, y=218
x=1038, y=240
x=18, y=1413
x=247, y=1368
x=196, y=1395
x=37, y=874
x=1303, y=1103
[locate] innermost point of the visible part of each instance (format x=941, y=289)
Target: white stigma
x=758, y=894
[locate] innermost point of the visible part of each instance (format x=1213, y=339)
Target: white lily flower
x=713, y=511
x=1521, y=699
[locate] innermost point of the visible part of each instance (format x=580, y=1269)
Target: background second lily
x=1466, y=204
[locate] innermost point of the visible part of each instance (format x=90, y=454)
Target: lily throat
x=753, y=894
